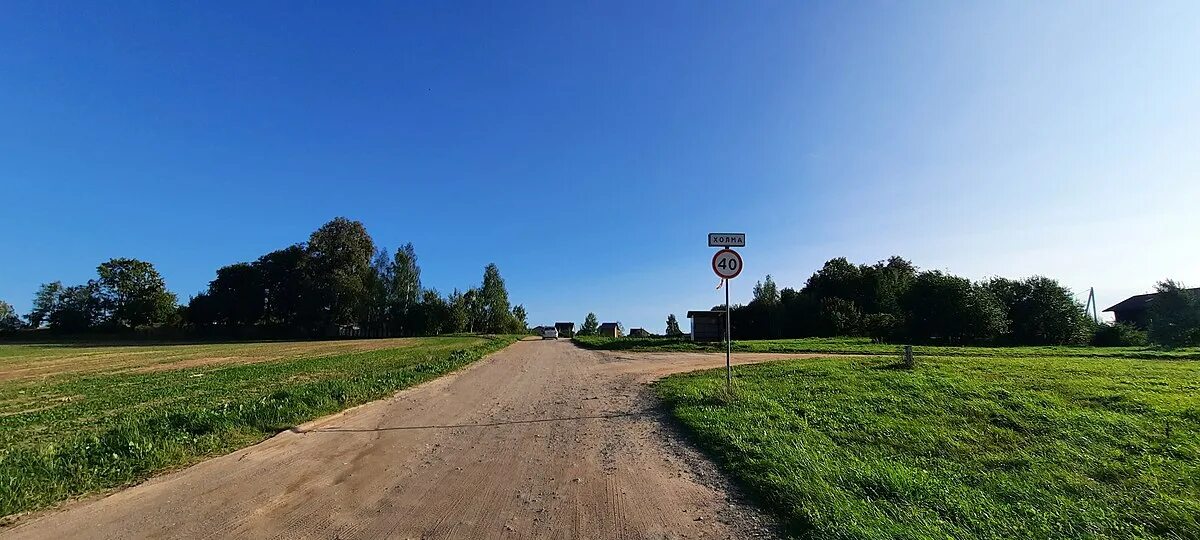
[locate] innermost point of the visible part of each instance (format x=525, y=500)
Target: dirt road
x=540, y=440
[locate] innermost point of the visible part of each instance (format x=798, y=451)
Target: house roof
x=608, y=325
x=705, y=313
x=567, y=324
x=1140, y=301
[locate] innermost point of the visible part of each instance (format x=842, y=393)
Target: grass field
x=854, y=345
x=959, y=447
x=76, y=418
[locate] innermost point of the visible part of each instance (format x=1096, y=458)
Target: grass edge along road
x=864, y=346
x=957, y=447
x=135, y=446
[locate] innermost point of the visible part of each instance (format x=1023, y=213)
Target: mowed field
x=984, y=446
x=77, y=418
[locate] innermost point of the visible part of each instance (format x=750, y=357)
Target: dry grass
x=36, y=361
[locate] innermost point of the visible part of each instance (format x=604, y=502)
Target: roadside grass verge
x=80, y=433
x=854, y=345
x=958, y=447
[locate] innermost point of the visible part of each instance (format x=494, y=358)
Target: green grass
x=959, y=447
x=854, y=345
x=73, y=432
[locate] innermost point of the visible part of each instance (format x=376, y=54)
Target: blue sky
x=587, y=148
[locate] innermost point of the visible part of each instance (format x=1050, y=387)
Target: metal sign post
x=727, y=264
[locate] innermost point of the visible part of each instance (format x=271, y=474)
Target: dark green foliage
x=9, y=321
x=972, y=447
x=1174, y=316
x=1119, y=335
x=77, y=308
x=494, y=296
x=338, y=269
x=286, y=287
x=941, y=307
x=1041, y=312
x=44, y=302
x=839, y=317
x=673, y=326
x=520, y=321
x=336, y=284
x=102, y=438
x=238, y=295
x=590, y=326
x=881, y=327
x=866, y=346
x=133, y=294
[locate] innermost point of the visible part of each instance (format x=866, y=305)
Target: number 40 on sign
x=727, y=264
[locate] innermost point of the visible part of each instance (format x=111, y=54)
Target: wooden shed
x=610, y=329
x=707, y=325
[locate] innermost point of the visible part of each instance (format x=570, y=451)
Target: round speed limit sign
x=727, y=264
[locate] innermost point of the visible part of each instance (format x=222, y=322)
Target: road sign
x=727, y=264
x=726, y=240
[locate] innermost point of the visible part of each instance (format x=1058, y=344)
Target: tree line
x=894, y=301
x=338, y=280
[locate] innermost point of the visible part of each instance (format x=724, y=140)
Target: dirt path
x=541, y=440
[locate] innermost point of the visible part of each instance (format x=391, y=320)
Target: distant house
x=707, y=325
x=639, y=332
x=1135, y=310
x=565, y=329
x=610, y=329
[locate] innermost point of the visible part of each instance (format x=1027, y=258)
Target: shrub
x=1118, y=335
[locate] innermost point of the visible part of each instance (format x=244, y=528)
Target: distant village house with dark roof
x=1135, y=310
x=610, y=329
x=639, y=332
x=565, y=329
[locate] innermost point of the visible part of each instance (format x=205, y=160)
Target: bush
x=1119, y=335
x=881, y=327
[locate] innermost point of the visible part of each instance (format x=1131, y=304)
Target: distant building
x=537, y=330
x=707, y=325
x=565, y=329
x=1135, y=310
x=610, y=329
x=639, y=332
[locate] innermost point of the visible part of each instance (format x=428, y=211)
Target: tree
x=44, y=303
x=494, y=297
x=9, y=321
x=238, y=295
x=475, y=310
x=840, y=317
x=460, y=312
x=519, y=319
x=405, y=286
x=133, y=294
x=379, y=292
x=765, y=292
x=1174, y=316
x=1041, y=311
x=77, y=308
x=339, y=268
x=880, y=327
x=673, y=326
x=201, y=311
x=286, y=287
x=590, y=326
x=432, y=313
x=942, y=306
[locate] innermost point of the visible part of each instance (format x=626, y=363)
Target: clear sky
x=587, y=148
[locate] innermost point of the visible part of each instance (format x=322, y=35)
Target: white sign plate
x=720, y=239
